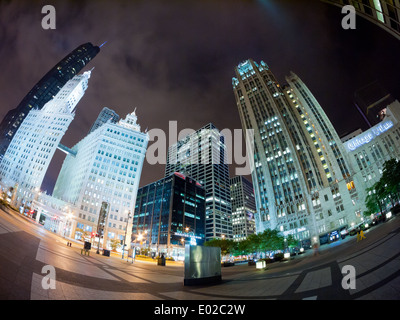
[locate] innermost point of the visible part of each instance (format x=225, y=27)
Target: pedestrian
x=315, y=246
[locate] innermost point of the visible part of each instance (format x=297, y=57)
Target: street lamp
x=68, y=218
x=126, y=230
x=139, y=238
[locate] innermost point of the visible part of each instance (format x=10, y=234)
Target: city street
x=25, y=248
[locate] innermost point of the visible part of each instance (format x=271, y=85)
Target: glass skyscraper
x=169, y=213
x=45, y=90
x=243, y=208
x=302, y=180
x=202, y=156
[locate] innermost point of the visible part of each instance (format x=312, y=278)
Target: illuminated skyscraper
x=301, y=180
x=202, y=156
x=106, y=166
x=243, y=208
x=30, y=152
x=45, y=90
x=170, y=213
x=106, y=115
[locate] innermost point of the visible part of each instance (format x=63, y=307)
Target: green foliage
x=145, y=251
x=291, y=241
x=386, y=190
x=269, y=240
x=115, y=244
x=227, y=246
x=372, y=202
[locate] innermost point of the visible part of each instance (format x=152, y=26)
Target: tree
x=226, y=245
x=291, y=241
x=384, y=190
x=115, y=244
x=391, y=179
x=243, y=247
x=268, y=240
x=372, y=202
x=254, y=243
x=271, y=240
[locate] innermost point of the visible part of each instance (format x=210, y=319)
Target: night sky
x=174, y=60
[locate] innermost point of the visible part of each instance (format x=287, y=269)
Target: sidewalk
x=78, y=245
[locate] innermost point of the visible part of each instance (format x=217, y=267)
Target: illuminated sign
x=180, y=175
x=187, y=235
x=294, y=231
x=366, y=137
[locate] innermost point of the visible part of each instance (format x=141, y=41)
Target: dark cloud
x=174, y=60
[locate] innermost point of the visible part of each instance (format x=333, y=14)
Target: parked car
x=366, y=224
x=388, y=215
x=355, y=229
x=333, y=236
x=396, y=209
x=344, y=233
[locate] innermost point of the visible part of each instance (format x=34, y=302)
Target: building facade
x=169, y=214
x=371, y=101
x=383, y=13
x=104, y=166
x=202, y=156
x=302, y=181
x=104, y=116
x=45, y=90
x=369, y=150
x=243, y=208
x=29, y=154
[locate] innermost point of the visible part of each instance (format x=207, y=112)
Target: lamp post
x=138, y=238
x=146, y=237
x=126, y=229
x=67, y=222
